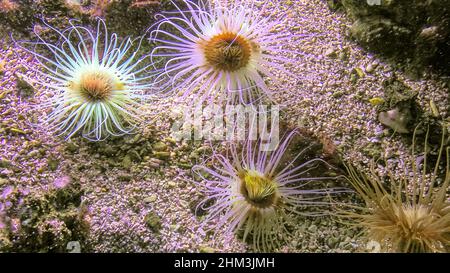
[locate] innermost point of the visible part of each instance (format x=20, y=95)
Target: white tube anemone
x=213, y=51
x=96, y=82
x=254, y=192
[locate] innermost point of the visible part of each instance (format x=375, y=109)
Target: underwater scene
x=217, y=126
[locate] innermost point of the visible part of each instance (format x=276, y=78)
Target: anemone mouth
x=259, y=190
x=413, y=218
x=228, y=51
x=414, y=214
x=410, y=227
x=96, y=86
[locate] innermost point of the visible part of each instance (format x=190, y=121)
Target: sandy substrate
x=126, y=179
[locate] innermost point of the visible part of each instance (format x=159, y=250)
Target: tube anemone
x=214, y=51
x=254, y=192
x=96, y=82
x=413, y=214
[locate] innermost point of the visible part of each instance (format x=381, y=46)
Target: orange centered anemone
x=96, y=86
x=228, y=51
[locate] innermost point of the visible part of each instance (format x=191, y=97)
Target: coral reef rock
x=415, y=32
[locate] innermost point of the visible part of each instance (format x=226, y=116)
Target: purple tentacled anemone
x=215, y=51
x=258, y=191
x=96, y=80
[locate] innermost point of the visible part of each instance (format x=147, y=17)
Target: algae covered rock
x=22, y=15
x=400, y=110
x=380, y=34
x=130, y=17
x=415, y=32
x=45, y=221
